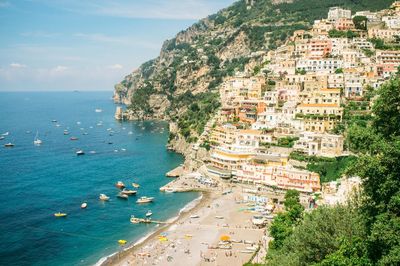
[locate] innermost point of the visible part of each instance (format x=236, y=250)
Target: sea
x=38, y=181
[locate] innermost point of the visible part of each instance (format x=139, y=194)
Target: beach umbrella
x=225, y=238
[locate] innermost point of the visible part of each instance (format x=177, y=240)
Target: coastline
x=203, y=200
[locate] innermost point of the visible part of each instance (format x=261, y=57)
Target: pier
x=177, y=172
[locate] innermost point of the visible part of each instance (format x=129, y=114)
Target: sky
x=50, y=45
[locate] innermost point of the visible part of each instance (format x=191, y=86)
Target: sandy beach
x=194, y=237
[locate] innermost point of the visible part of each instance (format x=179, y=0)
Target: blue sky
x=87, y=44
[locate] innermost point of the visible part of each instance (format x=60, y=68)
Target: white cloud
x=60, y=69
x=39, y=34
x=17, y=65
x=116, y=66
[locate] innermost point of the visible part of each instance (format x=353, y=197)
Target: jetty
x=148, y=221
x=177, y=172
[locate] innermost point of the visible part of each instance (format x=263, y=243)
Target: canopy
x=225, y=238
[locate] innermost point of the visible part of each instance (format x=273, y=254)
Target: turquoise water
x=36, y=182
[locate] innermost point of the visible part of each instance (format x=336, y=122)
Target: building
x=327, y=65
x=319, y=117
x=385, y=34
x=271, y=171
x=344, y=24
x=336, y=13
x=317, y=144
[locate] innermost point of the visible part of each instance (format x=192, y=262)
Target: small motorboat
x=135, y=185
x=110, y=143
x=5, y=134
x=84, y=205
x=85, y=133
x=80, y=152
x=73, y=138
x=134, y=220
x=219, y=217
x=104, y=197
x=54, y=121
x=122, y=241
x=66, y=133
x=9, y=145
x=120, y=185
x=60, y=214
x=169, y=190
x=145, y=200
x=149, y=213
x=194, y=216
x=2, y=137
x=98, y=110
x=122, y=196
x=128, y=192
x=36, y=140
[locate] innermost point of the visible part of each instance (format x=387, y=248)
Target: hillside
x=181, y=84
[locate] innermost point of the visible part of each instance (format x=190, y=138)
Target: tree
x=386, y=109
x=360, y=22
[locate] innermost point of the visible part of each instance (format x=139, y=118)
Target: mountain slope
x=182, y=83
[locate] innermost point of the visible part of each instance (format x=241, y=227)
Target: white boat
x=80, y=152
x=9, y=145
x=134, y=220
x=6, y=133
x=36, y=140
x=219, y=217
x=84, y=205
x=169, y=190
x=120, y=185
x=145, y=200
x=122, y=196
x=149, y=213
x=104, y=197
x=98, y=110
x=195, y=216
x=2, y=137
x=128, y=191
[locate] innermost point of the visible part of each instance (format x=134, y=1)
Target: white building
x=319, y=144
x=336, y=13
x=326, y=65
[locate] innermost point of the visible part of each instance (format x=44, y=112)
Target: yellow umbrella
x=122, y=241
x=225, y=238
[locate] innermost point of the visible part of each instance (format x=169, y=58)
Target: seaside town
x=275, y=118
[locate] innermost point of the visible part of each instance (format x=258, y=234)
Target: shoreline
x=204, y=199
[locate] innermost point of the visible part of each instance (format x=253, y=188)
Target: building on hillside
x=319, y=117
x=338, y=45
x=385, y=34
x=317, y=144
x=321, y=28
x=362, y=43
x=319, y=48
x=336, y=13
x=335, y=81
x=392, y=22
x=223, y=135
x=270, y=171
x=225, y=162
x=326, y=65
x=353, y=85
x=344, y=24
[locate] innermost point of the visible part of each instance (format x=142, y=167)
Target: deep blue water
x=36, y=182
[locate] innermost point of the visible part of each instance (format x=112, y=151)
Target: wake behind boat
x=36, y=140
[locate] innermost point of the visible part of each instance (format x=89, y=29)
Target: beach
x=194, y=237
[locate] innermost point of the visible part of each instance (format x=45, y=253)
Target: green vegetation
x=382, y=45
x=342, y=34
x=140, y=99
x=199, y=112
x=365, y=231
x=360, y=22
x=329, y=169
x=286, y=142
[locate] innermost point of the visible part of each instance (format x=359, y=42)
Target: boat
x=60, y=214
x=58, y=125
x=98, y=110
x=195, y=216
x=73, y=138
x=9, y=145
x=219, y=217
x=135, y=185
x=149, y=213
x=170, y=190
x=54, y=121
x=84, y=205
x=128, y=192
x=134, y=220
x=5, y=134
x=145, y=200
x=104, y=197
x=36, y=140
x=85, y=133
x=80, y=152
x=122, y=241
x=2, y=137
x=92, y=152
x=122, y=196
x=120, y=185
x=66, y=133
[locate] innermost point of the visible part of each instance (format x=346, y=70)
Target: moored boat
x=9, y=145
x=122, y=196
x=120, y=185
x=80, y=152
x=2, y=137
x=149, y=213
x=128, y=192
x=134, y=220
x=145, y=200
x=60, y=214
x=84, y=205
x=73, y=138
x=36, y=140
x=5, y=134
x=104, y=197
x=135, y=185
